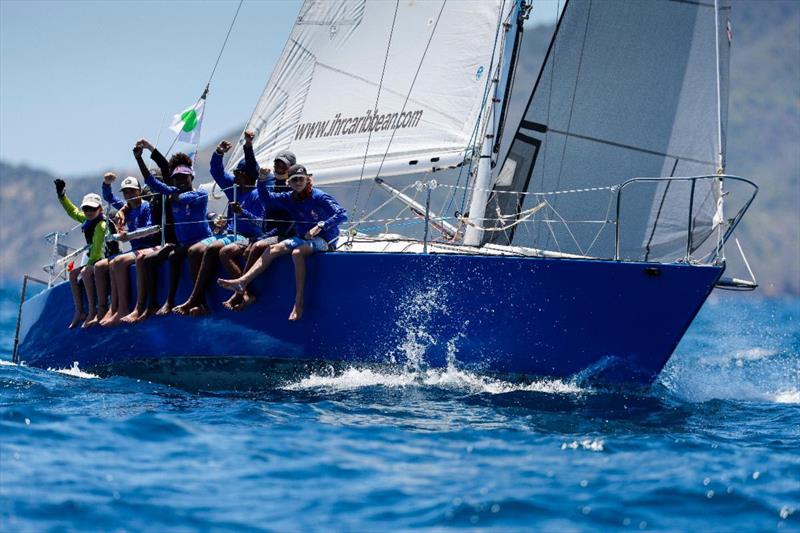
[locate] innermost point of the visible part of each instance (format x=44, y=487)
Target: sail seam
x=630, y=147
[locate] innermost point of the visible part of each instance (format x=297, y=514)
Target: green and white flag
x=187, y=124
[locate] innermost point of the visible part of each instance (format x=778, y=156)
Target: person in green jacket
x=94, y=227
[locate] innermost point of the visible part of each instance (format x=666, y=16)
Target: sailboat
x=569, y=227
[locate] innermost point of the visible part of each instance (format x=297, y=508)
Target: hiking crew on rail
x=268, y=215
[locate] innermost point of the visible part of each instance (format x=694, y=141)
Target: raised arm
x=156, y=156
x=223, y=179
x=72, y=212
x=251, y=165
x=155, y=184
x=265, y=185
x=108, y=194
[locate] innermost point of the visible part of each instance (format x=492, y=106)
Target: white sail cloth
x=393, y=87
x=629, y=89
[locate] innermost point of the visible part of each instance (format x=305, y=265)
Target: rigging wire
x=476, y=130
x=408, y=95
x=572, y=99
x=213, y=70
x=375, y=107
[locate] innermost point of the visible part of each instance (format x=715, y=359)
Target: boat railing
x=724, y=228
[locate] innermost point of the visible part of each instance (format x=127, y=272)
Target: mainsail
x=379, y=88
x=628, y=89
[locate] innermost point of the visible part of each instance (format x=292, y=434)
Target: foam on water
x=74, y=371
x=409, y=362
x=592, y=445
x=741, y=353
x=449, y=378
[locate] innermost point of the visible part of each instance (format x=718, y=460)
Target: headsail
x=383, y=87
x=628, y=89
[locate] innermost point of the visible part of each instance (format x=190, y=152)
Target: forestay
x=628, y=89
x=378, y=88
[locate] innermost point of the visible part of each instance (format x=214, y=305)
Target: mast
x=491, y=141
x=719, y=216
x=720, y=153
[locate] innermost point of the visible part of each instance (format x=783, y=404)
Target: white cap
x=129, y=183
x=91, y=200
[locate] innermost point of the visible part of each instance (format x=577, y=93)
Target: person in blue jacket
x=277, y=226
x=189, y=208
x=137, y=216
x=317, y=216
x=243, y=201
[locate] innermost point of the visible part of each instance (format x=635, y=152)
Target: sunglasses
x=297, y=178
x=88, y=209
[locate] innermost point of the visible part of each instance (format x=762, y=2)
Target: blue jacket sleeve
x=251, y=165
x=339, y=213
x=223, y=179
x=108, y=196
x=193, y=197
x=264, y=192
x=145, y=217
x=159, y=186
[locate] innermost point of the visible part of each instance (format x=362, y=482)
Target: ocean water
x=715, y=445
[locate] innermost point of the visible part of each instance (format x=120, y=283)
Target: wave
x=450, y=378
x=74, y=371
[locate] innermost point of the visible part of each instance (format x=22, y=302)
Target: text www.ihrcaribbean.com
x=363, y=124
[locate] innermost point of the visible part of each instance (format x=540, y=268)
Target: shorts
x=226, y=239
x=274, y=239
x=317, y=243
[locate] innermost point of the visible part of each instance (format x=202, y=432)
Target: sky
x=81, y=81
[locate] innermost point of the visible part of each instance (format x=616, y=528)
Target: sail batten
x=363, y=83
x=628, y=89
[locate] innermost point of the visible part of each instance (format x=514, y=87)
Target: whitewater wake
x=450, y=378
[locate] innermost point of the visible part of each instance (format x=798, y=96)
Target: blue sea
x=714, y=446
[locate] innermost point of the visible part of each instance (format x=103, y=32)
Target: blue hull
x=618, y=322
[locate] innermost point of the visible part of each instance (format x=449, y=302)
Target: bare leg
x=299, y=259
x=77, y=298
x=228, y=257
x=208, y=262
x=120, y=284
x=175, y=258
x=101, y=285
x=87, y=275
x=259, y=266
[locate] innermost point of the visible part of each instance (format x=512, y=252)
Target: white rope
x=744, y=258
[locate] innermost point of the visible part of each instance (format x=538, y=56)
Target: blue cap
x=241, y=166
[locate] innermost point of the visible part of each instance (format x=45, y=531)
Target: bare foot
x=183, y=309
x=247, y=300
x=146, y=314
x=233, y=302
x=90, y=322
x=131, y=317
x=116, y=320
x=165, y=310
x=110, y=318
x=106, y=317
x=232, y=285
x=198, y=310
x=77, y=319
x=297, y=311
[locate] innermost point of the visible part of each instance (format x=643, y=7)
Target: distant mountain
x=29, y=210
x=763, y=143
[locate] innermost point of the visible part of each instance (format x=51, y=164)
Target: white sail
x=379, y=87
x=628, y=89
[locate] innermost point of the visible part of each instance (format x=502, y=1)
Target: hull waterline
x=612, y=322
